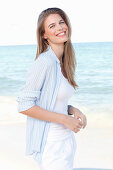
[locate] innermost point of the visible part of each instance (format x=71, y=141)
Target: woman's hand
x=72, y=123
x=78, y=115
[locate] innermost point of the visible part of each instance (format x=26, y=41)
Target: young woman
x=44, y=98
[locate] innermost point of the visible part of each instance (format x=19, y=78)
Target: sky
x=91, y=20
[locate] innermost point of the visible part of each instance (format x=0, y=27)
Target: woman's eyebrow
x=54, y=23
x=51, y=24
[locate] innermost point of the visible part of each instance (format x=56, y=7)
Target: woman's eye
x=62, y=22
x=52, y=26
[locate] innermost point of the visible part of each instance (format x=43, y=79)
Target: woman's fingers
x=76, y=130
x=79, y=125
x=85, y=121
x=73, y=123
x=82, y=117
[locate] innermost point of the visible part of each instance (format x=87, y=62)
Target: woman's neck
x=58, y=50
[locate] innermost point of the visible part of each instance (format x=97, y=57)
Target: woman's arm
x=42, y=114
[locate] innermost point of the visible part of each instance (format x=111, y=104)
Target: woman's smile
x=61, y=34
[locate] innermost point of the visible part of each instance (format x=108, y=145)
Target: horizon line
x=72, y=43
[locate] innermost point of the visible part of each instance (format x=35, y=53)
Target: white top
x=58, y=131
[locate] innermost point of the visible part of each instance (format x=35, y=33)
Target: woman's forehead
x=52, y=18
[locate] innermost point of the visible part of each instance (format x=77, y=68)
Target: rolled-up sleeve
x=30, y=92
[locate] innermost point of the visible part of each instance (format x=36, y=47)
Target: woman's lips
x=61, y=34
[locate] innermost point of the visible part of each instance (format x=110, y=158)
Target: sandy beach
x=94, y=143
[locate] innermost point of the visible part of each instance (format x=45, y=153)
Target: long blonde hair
x=68, y=59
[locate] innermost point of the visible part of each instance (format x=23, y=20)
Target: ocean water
x=94, y=72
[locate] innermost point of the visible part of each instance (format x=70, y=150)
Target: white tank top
x=58, y=131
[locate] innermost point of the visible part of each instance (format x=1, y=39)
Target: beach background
x=92, y=38
x=94, y=97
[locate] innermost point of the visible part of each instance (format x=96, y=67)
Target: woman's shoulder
x=43, y=61
x=44, y=58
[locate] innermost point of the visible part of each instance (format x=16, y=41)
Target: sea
x=94, y=73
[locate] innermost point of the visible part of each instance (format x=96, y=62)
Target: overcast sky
x=91, y=20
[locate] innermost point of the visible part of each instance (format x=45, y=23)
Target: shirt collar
x=53, y=54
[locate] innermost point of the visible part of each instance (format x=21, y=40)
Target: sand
x=94, y=143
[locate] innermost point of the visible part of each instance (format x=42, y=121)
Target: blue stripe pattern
x=41, y=88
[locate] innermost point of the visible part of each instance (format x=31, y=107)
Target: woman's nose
x=59, y=27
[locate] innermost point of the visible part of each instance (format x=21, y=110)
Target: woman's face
x=56, y=30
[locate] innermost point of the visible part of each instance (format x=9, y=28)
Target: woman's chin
x=63, y=41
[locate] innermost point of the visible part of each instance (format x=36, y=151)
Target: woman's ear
x=44, y=36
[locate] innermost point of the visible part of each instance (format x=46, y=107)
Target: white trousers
x=59, y=155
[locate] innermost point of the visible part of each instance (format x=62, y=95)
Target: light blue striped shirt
x=41, y=88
